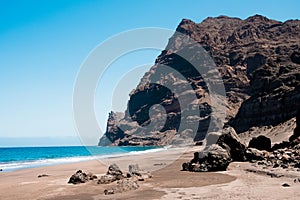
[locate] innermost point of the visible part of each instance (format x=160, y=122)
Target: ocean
x=16, y=158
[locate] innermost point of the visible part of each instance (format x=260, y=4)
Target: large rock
x=261, y=143
x=81, y=177
x=230, y=141
x=216, y=159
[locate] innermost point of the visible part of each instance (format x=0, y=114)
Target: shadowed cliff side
x=259, y=60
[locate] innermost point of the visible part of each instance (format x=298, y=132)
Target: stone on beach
x=134, y=170
x=81, y=177
x=261, y=143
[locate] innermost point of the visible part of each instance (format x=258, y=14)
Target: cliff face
x=259, y=61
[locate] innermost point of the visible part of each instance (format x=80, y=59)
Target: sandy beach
x=168, y=181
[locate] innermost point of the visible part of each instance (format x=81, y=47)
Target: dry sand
x=168, y=181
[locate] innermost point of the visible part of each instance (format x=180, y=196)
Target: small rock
x=159, y=164
x=254, y=154
x=275, y=165
x=285, y=157
x=297, y=180
x=42, y=175
x=285, y=185
x=109, y=191
x=199, y=143
x=185, y=166
x=91, y=176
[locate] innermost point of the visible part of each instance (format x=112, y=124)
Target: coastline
x=15, y=164
x=168, y=181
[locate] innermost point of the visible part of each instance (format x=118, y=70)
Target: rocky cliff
x=259, y=62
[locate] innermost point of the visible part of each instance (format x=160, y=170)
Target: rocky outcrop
x=113, y=132
x=258, y=59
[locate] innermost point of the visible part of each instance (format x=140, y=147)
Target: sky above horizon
x=44, y=43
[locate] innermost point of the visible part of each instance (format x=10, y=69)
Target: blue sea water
x=15, y=158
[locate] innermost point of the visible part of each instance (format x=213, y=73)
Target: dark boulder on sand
x=216, y=159
x=81, y=177
x=232, y=143
x=261, y=143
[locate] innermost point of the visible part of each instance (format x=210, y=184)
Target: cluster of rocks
x=285, y=158
x=221, y=149
x=228, y=147
x=124, y=181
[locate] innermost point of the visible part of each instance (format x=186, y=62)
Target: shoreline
x=28, y=164
x=168, y=181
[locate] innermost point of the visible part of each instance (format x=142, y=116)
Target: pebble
x=285, y=185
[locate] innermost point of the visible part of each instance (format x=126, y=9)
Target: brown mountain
x=259, y=61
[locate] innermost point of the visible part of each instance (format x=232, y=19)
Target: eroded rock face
x=258, y=59
x=113, y=132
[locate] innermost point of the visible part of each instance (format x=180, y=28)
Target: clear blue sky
x=43, y=43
